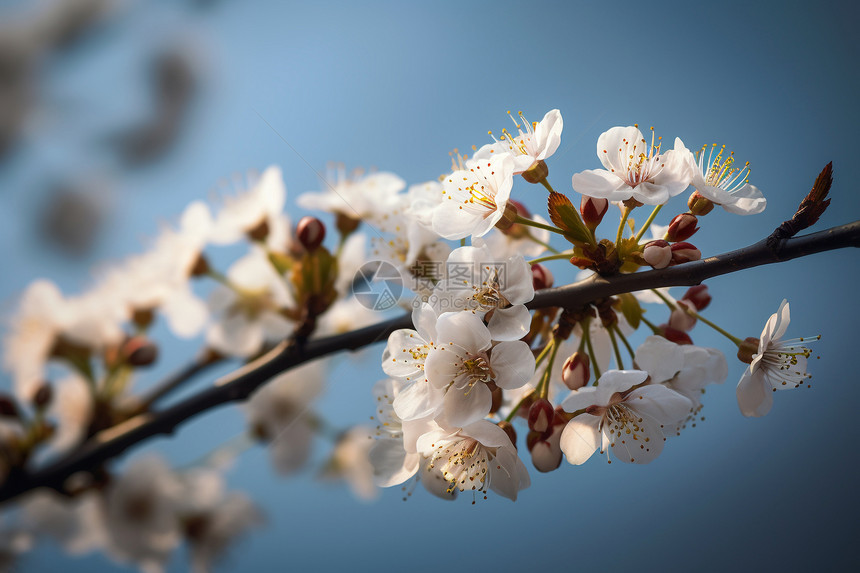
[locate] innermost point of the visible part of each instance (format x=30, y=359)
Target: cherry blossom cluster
x=476, y=363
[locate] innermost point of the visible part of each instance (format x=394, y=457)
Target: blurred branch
x=240, y=384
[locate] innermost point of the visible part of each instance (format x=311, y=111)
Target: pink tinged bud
x=576, y=371
x=684, y=253
x=593, y=209
x=547, y=455
x=310, y=232
x=541, y=277
x=658, y=254
x=675, y=335
x=698, y=296
x=682, y=227
x=680, y=319
x=541, y=415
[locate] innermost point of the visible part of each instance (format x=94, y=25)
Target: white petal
x=462, y=407
x=513, y=364
x=755, y=396
x=580, y=438
x=659, y=357
x=510, y=323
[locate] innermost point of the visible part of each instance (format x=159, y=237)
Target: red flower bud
x=675, y=335
x=576, y=371
x=658, y=254
x=139, y=351
x=684, y=253
x=310, y=232
x=682, y=227
x=699, y=296
x=593, y=209
x=541, y=415
x=680, y=319
x=541, y=277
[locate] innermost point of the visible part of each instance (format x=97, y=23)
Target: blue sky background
x=398, y=85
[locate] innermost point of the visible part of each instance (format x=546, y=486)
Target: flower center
x=641, y=166
x=476, y=369
x=719, y=172
x=520, y=144
x=781, y=362
x=464, y=464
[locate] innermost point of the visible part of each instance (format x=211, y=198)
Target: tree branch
x=237, y=386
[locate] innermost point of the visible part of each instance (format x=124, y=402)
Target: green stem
x=625, y=212
x=546, y=184
x=586, y=334
x=618, y=361
x=516, y=408
x=698, y=316
x=544, y=352
x=529, y=223
x=547, y=246
x=648, y=222
x=551, y=258
x=544, y=386
x=463, y=242
x=624, y=340
x=650, y=325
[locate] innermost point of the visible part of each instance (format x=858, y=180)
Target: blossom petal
x=755, y=396
x=461, y=407
x=580, y=438
x=513, y=364
x=510, y=323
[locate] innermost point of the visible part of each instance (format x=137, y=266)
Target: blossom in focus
x=717, y=179
x=537, y=143
x=778, y=365
x=478, y=457
x=620, y=414
x=634, y=169
x=474, y=198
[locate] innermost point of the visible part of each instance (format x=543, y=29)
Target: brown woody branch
x=237, y=386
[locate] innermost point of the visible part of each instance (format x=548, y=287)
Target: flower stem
x=551, y=258
x=698, y=316
x=544, y=352
x=544, y=386
x=586, y=334
x=650, y=325
x=529, y=223
x=546, y=184
x=547, y=246
x=648, y=222
x=625, y=212
x=618, y=361
x=516, y=408
x=624, y=340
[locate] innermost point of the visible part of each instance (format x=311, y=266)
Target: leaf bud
x=658, y=254
x=699, y=204
x=684, y=253
x=748, y=349
x=541, y=277
x=576, y=371
x=537, y=172
x=310, y=232
x=593, y=209
x=682, y=227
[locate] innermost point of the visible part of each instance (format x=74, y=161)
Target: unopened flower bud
x=541, y=277
x=43, y=396
x=509, y=430
x=699, y=204
x=537, y=172
x=682, y=227
x=509, y=217
x=547, y=454
x=259, y=232
x=541, y=415
x=658, y=254
x=748, y=349
x=576, y=371
x=139, y=351
x=675, y=335
x=310, y=232
x=345, y=224
x=699, y=296
x=680, y=319
x=593, y=209
x=8, y=409
x=684, y=253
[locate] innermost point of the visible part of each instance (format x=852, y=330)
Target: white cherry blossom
x=635, y=169
x=360, y=197
x=478, y=457
x=720, y=181
x=464, y=361
x=615, y=415
x=778, y=365
x=263, y=202
x=474, y=198
x=537, y=143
